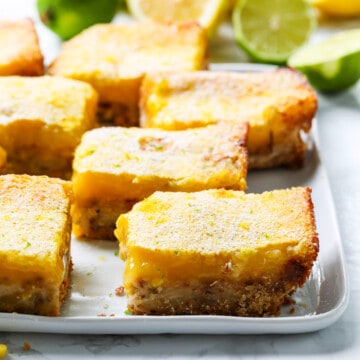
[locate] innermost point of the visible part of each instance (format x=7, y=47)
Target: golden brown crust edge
x=26, y=58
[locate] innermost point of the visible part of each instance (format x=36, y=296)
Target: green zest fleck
x=89, y=152
x=159, y=147
x=128, y=312
x=27, y=244
x=177, y=252
x=116, y=253
x=89, y=273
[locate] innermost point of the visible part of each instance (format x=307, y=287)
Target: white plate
x=93, y=306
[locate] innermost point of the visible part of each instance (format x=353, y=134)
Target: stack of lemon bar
x=193, y=242
x=42, y=120
x=158, y=150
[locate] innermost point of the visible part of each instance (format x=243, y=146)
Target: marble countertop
x=339, y=141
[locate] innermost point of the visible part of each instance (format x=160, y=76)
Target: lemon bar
x=42, y=120
x=35, y=229
x=217, y=251
x=20, y=50
x=114, y=57
x=114, y=167
x=279, y=106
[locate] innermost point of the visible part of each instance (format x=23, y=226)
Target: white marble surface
x=339, y=132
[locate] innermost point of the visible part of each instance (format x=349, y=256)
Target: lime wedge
x=270, y=31
x=207, y=12
x=333, y=64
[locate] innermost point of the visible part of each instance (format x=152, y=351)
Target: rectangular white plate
x=94, y=308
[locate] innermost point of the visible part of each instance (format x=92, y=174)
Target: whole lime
x=67, y=18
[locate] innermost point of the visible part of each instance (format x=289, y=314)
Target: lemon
x=270, y=31
x=338, y=8
x=3, y=350
x=333, y=64
x=207, y=12
x=67, y=18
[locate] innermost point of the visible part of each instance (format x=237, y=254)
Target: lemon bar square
x=279, y=106
x=219, y=252
x=115, y=167
x=20, y=49
x=35, y=230
x=42, y=120
x=114, y=57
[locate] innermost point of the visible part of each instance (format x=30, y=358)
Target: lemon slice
x=337, y=8
x=333, y=64
x=270, y=31
x=207, y=12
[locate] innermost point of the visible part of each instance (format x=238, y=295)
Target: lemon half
x=338, y=8
x=208, y=13
x=3, y=351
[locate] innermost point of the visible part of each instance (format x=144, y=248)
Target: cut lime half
x=270, y=31
x=333, y=64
